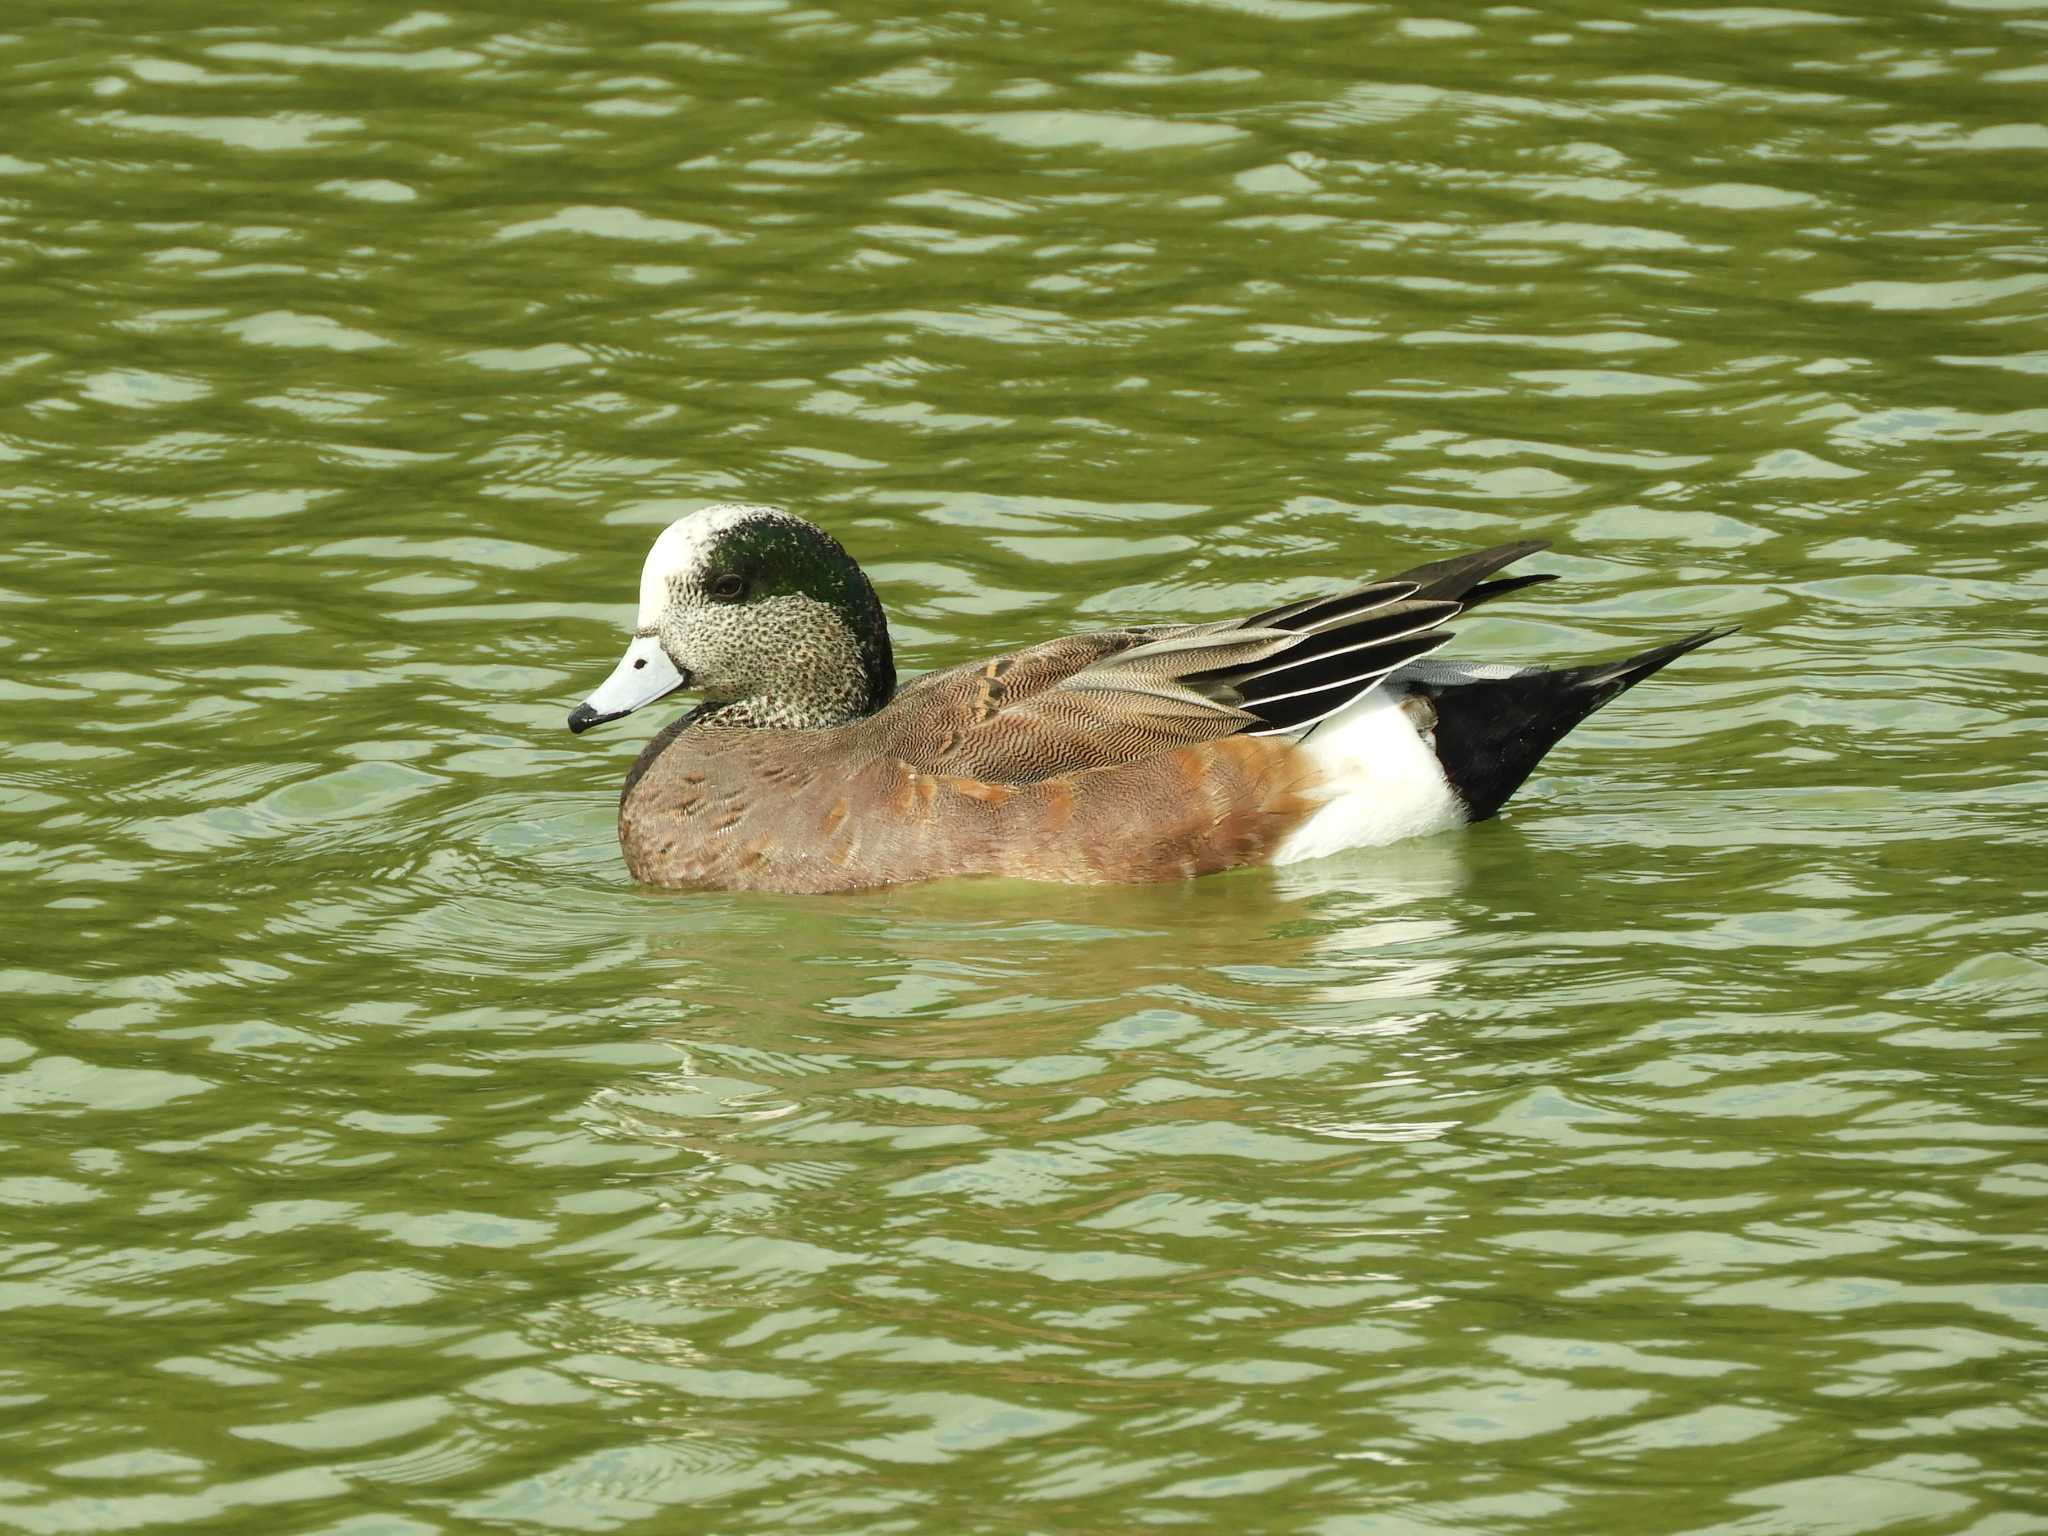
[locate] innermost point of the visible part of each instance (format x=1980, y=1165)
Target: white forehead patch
x=682, y=546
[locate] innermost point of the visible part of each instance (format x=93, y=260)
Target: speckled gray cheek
x=702, y=637
x=676, y=626
x=785, y=662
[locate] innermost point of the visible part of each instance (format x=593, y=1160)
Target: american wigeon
x=1147, y=753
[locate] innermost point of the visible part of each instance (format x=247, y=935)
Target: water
x=1666, y=1156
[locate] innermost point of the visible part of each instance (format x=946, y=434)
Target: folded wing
x=1094, y=701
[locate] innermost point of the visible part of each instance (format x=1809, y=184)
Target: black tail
x=1491, y=732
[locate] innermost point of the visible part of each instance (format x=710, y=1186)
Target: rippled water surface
x=1665, y=1156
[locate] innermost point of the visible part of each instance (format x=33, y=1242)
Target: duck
x=1146, y=752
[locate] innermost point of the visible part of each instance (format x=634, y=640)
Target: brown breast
x=812, y=811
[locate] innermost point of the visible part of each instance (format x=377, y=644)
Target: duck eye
x=727, y=587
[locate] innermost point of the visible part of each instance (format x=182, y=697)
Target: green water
x=1667, y=1156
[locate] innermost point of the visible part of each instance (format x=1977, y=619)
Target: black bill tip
x=583, y=717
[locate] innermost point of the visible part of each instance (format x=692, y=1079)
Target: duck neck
x=772, y=714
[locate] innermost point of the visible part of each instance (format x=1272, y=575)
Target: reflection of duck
x=1145, y=753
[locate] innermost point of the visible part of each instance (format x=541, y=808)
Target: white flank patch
x=1384, y=781
x=681, y=546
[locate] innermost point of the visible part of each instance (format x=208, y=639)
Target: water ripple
x=379, y=1153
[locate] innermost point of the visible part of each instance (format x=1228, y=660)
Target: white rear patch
x=1385, y=783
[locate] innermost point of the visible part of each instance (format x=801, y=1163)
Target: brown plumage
x=852, y=806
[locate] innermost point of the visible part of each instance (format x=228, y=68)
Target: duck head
x=763, y=615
